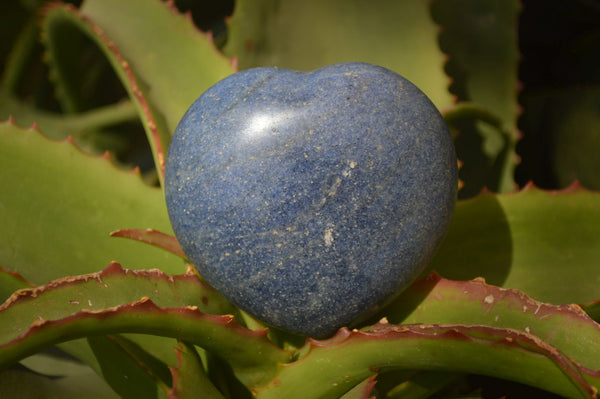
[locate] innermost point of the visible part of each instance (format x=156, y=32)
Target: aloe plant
x=100, y=300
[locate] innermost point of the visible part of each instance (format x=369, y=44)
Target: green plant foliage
x=164, y=53
x=399, y=35
x=480, y=39
x=91, y=77
x=10, y=282
x=350, y=357
x=434, y=300
x=92, y=189
x=28, y=385
x=543, y=243
x=189, y=376
x=470, y=311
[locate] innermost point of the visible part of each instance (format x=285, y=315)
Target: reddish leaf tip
x=153, y=237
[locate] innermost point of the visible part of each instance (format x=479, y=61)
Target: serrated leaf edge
x=113, y=269
x=153, y=237
x=170, y=4
x=472, y=333
x=132, y=82
x=34, y=128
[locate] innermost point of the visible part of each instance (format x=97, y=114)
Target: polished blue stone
x=308, y=199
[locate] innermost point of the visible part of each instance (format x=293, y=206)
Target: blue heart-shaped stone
x=309, y=199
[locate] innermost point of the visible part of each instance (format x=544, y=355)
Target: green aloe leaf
x=10, y=282
x=362, y=390
x=422, y=385
x=573, y=126
x=29, y=385
x=480, y=39
x=84, y=126
x=162, y=60
x=175, y=60
x=435, y=300
x=108, y=288
x=399, y=35
x=56, y=200
x=59, y=375
x=544, y=243
x=330, y=368
x=114, y=286
x=152, y=237
x=122, y=371
x=61, y=22
x=76, y=307
x=189, y=377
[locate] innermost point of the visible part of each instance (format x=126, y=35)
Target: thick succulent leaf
x=163, y=61
x=59, y=205
x=53, y=363
x=152, y=237
x=329, y=368
x=82, y=126
x=546, y=244
x=399, y=35
x=21, y=49
x=63, y=21
x=480, y=39
x=123, y=372
x=151, y=365
x=114, y=286
x=164, y=49
x=422, y=385
x=118, y=366
x=573, y=127
x=437, y=300
x=76, y=307
x=10, y=282
x=189, y=378
x=108, y=288
x=28, y=385
x=362, y=390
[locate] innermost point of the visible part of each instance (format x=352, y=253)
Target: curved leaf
x=544, y=243
x=398, y=35
x=10, y=282
x=189, y=378
x=481, y=40
x=111, y=287
x=59, y=205
x=75, y=307
x=121, y=371
x=440, y=301
x=422, y=385
x=362, y=390
x=252, y=356
x=27, y=385
x=59, y=127
x=152, y=237
x=330, y=368
x=165, y=50
x=163, y=61
x=61, y=22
